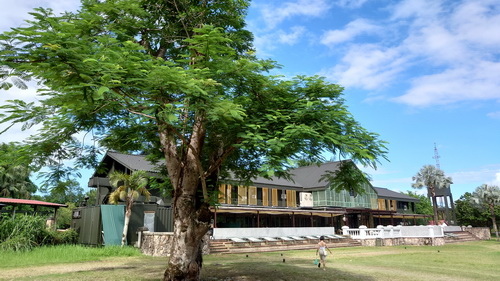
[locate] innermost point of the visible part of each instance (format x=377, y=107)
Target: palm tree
x=488, y=196
x=15, y=181
x=432, y=178
x=128, y=189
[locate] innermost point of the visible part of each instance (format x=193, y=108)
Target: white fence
x=393, y=231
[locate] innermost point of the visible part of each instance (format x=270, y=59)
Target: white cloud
x=418, y=9
x=352, y=29
x=274, y=15
x=463, y=83
x=476, y=23
x=496, y=181
x=494, y=115
x=452, y=51
x=477, y=176
x=367, y=66
x=293, y=36
x=351, y=3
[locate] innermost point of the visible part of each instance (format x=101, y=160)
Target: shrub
x=65, y=216
x=22, y=233
x=68, y=236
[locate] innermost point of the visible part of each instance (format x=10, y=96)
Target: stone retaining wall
x=157, y=244
x=482, y=233
x=415, y=241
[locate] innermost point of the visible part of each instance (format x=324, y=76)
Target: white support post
x=362, y=231
x=345, y=230
x=391, y=231
x=381, y=231
x=431, y=231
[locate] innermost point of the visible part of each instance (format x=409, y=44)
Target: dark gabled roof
x=134, y=162
x=130, y=161
x=309, y=176
x=275, y=182
x=306, y=177
x=385, y=193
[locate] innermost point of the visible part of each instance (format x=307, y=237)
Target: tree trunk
x=191, y=214
x=435, y=209
x=190, y=225
x=494, y=220
x=432, y=191
x=128, y=212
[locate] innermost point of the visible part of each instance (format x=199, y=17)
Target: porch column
x=215, y=217
x=258, y=219
x=55, y=218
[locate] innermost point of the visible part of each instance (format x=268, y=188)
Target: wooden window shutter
x=242, y=195
x=274, y=197
x=265, y=196
x=252, y=195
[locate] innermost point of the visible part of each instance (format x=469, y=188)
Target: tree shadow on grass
x=291, y=269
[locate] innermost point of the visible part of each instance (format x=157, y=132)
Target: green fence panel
x=112, y=223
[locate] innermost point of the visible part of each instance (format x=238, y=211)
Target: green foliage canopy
x=15, y=172
x=488, y=197
x=468, y=213
x=423, y=206
x=109, y=71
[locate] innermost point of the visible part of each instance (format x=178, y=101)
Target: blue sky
x=418, y=72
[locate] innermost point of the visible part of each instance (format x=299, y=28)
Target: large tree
x=176, y=79
x=488, y=197
x=432, y=178
x=468, y=212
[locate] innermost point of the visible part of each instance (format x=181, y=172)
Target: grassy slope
x=464, y=261
x=62, y=254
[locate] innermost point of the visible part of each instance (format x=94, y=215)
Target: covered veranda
x=34, y=204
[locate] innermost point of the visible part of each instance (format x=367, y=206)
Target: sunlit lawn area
x=463, y=261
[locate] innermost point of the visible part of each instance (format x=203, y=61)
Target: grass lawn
x=463, y=261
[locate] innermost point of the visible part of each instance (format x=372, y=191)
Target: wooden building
x=303, y=201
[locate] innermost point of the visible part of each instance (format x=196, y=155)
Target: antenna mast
x=436, y=156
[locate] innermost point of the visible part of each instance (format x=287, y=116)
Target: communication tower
x=436, y=156
x=446, y=207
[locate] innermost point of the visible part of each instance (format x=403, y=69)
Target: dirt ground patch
x=123, y=265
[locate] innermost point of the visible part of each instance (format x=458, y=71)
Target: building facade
x=303, y=200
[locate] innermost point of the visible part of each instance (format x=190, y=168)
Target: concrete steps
x=459, y=236
x=230, y=247
x=224, y=246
